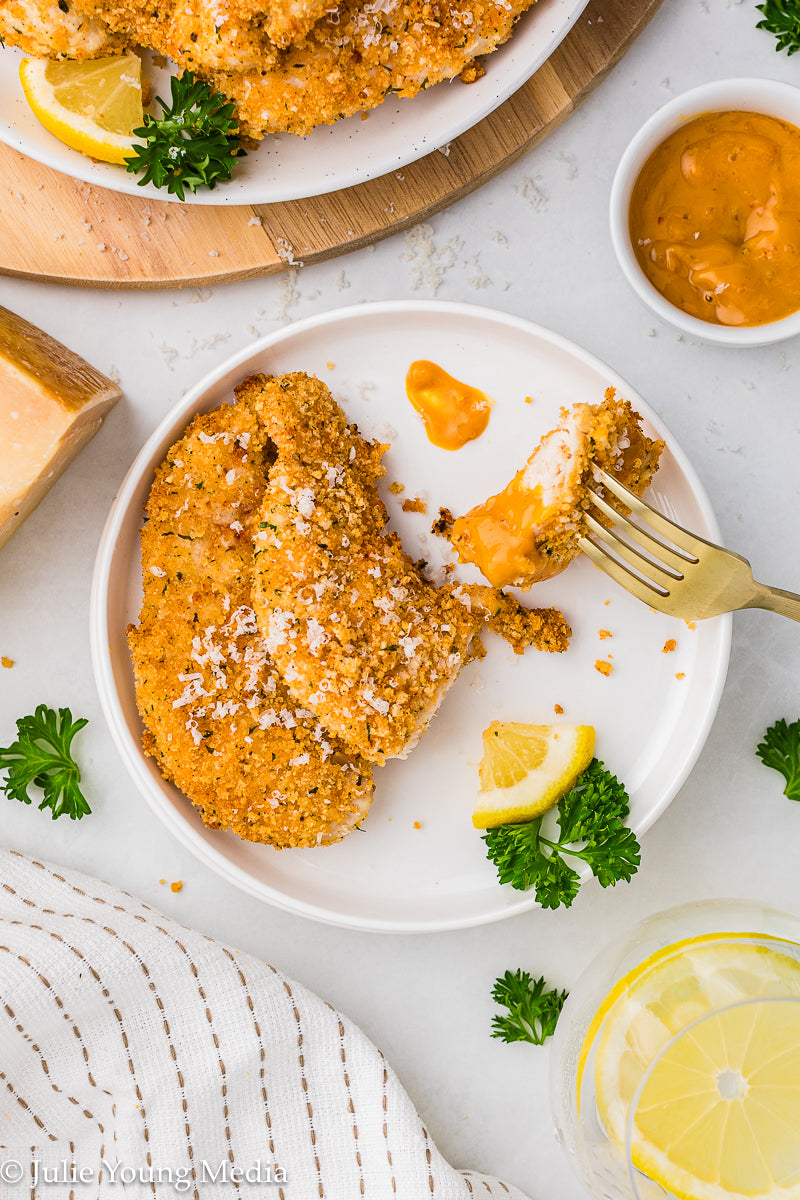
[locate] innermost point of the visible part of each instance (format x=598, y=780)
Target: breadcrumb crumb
x=416, y=505
x=443, y=525
x=669, y=646
x=605, y=668
x=177, y=886
x=7, y=662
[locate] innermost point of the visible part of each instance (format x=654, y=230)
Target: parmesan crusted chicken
x=289, y=65
x=220, y=721
x=57, y=29
x=530, y=530
x=361, y=52
x=358, y=633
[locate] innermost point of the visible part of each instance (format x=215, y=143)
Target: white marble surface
x=534, y=242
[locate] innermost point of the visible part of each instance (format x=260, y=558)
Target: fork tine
x=668, y=529
x=678, y=560
x=640, y=562
x=648, y=592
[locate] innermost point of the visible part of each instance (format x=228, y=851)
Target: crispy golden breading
x=530, y=530
x=226, y=35
x=542, y=628
x=56, y=29
x=220, y=722
x=359, y=634
x=359, y=53
x=288, y=66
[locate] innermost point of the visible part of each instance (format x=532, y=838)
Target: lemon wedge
x=526, y=769
x=92, y=106
x=719, y=1113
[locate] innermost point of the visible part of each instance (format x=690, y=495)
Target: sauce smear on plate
x=453, y=412
x=715, y=218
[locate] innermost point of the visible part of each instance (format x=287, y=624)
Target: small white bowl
x=746, y=95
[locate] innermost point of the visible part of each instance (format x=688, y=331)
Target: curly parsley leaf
x=782, y=18
x=41, y=757
x=193, y=143
x=532, y=1011
x=591, y=828
x=780, y=750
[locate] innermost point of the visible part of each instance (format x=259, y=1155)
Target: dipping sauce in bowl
x=714, y=218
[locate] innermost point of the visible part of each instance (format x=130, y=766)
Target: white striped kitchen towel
x=142, y=1059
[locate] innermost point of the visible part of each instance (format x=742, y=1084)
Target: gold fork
x=689, y=578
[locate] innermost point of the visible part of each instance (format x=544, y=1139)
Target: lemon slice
x=719, y=1112
x=92, y=106
x=526, y=769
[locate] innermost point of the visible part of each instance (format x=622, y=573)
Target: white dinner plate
x=418, y=864
x=286, y=167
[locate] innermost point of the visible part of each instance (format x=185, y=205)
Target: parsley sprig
x=41, y=756
x=782, y=18
x=780, y=750
x=193, y=143
x=532, y=1011
x=590, y=828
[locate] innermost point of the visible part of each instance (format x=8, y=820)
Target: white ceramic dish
x=748, y=95
x=650, y=725
x=286, y=167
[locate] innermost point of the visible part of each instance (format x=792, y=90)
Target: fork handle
x=787, y=604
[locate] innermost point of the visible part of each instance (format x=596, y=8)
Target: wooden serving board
x=53, y=226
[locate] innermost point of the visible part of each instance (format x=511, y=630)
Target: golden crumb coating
x=361, y=637
x=542, y=628
x=220, y=721
x=362, y=51
x=358, y=633
x=530, y=530
x=288, y=66
x=226, y=35
x=56, y=29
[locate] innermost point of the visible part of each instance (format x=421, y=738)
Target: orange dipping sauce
x=715, y=218
x=453, y=413
x=501, y=532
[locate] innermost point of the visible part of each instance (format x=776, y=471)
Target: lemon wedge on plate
x=526, y=769
x=719, y=1113
x=92, y=106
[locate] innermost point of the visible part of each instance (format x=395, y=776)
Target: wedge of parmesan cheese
x=51, y=404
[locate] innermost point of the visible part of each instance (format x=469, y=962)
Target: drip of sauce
x=453, y=412
x=715, y=218
x=500, y=534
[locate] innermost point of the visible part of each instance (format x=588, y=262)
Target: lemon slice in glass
x=719, y=1112
x=92, y=106
x=526, y=769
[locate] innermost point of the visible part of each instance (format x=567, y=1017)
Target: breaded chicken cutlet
x=358, y=633
x=288, y=66
x=220, y=721
x=362, y=51
x=530, y=530
x=57, y=29
x=226, y=35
